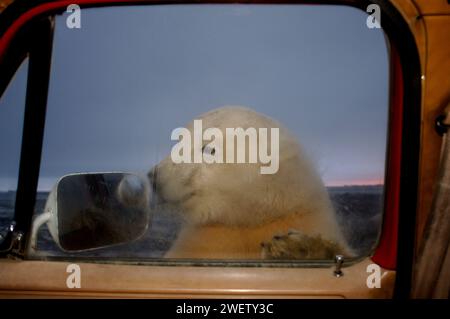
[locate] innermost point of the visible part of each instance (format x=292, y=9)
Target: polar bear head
x=238, y=194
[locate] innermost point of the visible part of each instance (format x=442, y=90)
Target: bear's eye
x=208, y=150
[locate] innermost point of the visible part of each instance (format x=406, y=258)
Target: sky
x=130, y=75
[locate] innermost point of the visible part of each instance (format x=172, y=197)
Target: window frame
x=401, y=182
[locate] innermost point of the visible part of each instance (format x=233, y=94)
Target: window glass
x=12, y=106
x=308, y=86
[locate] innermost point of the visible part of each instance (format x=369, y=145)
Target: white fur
x=231, y=208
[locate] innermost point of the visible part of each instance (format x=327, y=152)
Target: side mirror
x=94, y=210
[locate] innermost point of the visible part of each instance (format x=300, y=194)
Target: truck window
x=312, y=82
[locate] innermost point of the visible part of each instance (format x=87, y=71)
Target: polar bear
x=232, y=211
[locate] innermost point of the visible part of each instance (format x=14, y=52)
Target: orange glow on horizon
x=368, y=182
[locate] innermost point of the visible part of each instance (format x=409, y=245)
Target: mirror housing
x=94, y=210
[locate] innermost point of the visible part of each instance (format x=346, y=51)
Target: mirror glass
x=92, y=214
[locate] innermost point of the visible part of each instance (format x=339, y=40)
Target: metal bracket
x=439, y=125
x=12, y=242
x=338, y=260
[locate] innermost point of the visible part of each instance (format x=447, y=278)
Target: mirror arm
x=37, y=223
